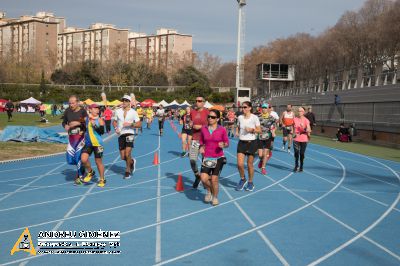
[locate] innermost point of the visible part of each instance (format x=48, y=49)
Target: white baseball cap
x=126, y=97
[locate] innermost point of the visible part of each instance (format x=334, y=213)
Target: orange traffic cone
x=155, y=161
x=179, y=184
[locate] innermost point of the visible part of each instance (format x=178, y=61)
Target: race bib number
x=195, y=144
x=100, y=149
x=210, y=162
x=265, y=135
x=75, y=131
x=130, y=138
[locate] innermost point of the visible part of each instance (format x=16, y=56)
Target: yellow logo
x=24, y=243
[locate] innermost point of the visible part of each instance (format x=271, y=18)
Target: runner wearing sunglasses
x=198, y=117
x=213, y=139
x=248, y=127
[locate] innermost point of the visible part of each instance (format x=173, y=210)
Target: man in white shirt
x=161, y=117
x=125, y=120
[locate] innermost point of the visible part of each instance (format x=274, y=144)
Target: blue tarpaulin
x=31, y=134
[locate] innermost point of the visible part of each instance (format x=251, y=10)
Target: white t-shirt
x=251, y=122
x=160, y=114
x=274, y=115
x=131, y=117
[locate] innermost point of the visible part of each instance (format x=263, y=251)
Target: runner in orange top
x=286, y=121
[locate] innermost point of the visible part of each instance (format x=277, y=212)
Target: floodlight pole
x=241, y=3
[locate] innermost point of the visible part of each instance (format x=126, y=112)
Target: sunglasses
x=212, y=117
x=199, y=101
x=125, y=100
x=245, y=107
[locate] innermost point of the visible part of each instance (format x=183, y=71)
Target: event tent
x=218, y=107
x=114, y=103
x=207, y=105
x=147, y=103
x=31, y=100
x=174, y=104
x=163, y=103
x=184, y=104
x=88, y=101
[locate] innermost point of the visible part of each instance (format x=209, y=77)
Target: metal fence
x=376, y=116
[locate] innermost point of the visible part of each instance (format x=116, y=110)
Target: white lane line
x=358, y=173
x=344, y=187
x=337, y=220
x=251, y=222
x=158, y=220
x=31, y=177
x=20, y=191
x=28, y=184
x=366, y=230
x=143, y=201
x=97, y=192
x=257, y=227
x=76, y=205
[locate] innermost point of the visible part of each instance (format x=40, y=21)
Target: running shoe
x=208, y=198
x=300, y=169
x=215, y=201
x=78, y=181
x=250, y=186
x=197, y=181
x=133, y=166
x=89, y=176
x=102, y=183
x=183, y=154
x=295, y=169
x=263, y=171
x=127, y=175
x=288, y=150
x=283, y=148
x=241, y=184
x=260, y=163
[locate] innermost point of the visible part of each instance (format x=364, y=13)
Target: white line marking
x=366, y=230
x=97, y=192
x=255, y=228
x=28, y=184
x=259, y=232
x=158, y=220
x=344, y=187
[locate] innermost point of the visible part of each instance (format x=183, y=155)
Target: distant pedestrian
x=302, y=132
x=9, y=108
x=108, y=113
x=311, y=117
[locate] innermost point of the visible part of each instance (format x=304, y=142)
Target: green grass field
x=23, y=119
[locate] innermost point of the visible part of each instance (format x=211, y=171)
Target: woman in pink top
x=302, y=132
x=213, y=139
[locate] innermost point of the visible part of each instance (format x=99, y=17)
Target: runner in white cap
x=125, y=120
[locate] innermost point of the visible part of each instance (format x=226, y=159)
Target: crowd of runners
x=204, y=135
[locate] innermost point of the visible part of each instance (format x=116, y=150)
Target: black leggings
x=108, y=126
x=299, y=151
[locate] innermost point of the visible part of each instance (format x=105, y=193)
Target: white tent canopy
x=208, y=105
x=185, y=103
x=163, y=103
x=31, y=100
x=174, y=102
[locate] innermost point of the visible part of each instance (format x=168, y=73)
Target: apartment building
x=33, y=36
x=100, y=42
x=162, y=50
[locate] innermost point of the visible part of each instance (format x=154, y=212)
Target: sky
x=212, y=23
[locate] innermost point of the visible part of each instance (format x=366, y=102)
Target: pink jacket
x=211, y=141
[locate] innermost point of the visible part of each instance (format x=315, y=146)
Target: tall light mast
x=240, y=44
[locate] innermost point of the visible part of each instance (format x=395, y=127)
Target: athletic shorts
x=264, y=143
x=141, y=118
x=98, y=151
x=214, y=171
x=126, y=140
x=247, y=147
x=160, y=124
x=186, y=131
x=287, y=131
